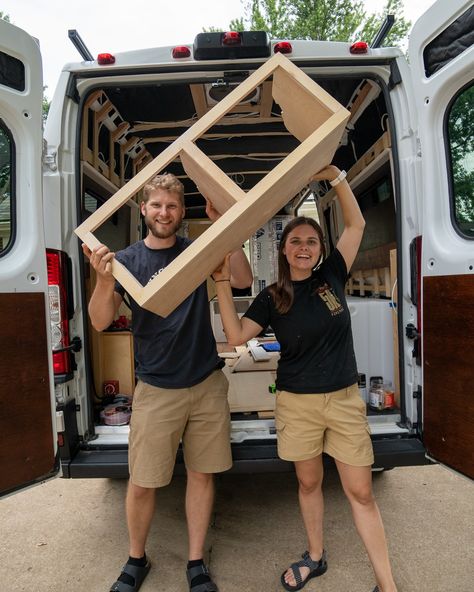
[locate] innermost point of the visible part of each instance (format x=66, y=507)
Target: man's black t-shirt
x=317, y=352
x=178, y=351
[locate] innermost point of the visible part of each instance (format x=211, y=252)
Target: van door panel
x=27, y=415
x=27, y=450
x=448, y=366
x=448, y=251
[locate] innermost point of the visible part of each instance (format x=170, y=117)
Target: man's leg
x=357, y=484
x=140, y=505
x=199, y=502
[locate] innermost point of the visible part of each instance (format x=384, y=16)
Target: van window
x=461, y=152
x=450, y=43
x=12, y=72
x=6, y=202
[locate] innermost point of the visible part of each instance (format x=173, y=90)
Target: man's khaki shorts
x=161, y=418
x=335, y=423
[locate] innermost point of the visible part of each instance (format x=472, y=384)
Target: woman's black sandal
x=138, y=573
x=317, y=568
x=199, y=570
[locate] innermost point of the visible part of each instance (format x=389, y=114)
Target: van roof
x=303, y=50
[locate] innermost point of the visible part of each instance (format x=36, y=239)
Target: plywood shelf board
x=295, y=99
x=212, y=182
x=251, y=210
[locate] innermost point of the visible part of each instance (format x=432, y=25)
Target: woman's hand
x=222, y=273
x=328, y=173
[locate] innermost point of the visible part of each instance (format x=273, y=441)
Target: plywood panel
x=211, y=181
x=448, y=401
x=27, y=445
x=115, y=361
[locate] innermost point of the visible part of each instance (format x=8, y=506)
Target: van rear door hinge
x=49, y=158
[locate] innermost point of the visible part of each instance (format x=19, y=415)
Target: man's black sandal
x=138, y=573
x=198, y=570
x=317, y=568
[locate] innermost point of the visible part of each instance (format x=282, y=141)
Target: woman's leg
x=357, y=484
x=310, y=478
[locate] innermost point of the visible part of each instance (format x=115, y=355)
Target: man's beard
x=169, y=231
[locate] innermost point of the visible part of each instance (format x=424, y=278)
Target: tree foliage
x=4, y=16
x=461, y=142
x=326, y=20
x=46, y=105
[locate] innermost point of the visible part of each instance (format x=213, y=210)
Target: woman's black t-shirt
x=317, y=352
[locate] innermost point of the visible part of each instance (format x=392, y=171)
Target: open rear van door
x=441, y=54
x=27, y=428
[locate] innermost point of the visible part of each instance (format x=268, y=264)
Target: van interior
x=124, y=126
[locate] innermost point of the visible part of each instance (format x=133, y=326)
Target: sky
x=121, y=25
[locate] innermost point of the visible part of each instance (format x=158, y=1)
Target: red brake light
x=282, y=47
x=231, y=38
x=359, y=47
x=181, y=51
x=105, y=58
x=59, y=322
x=419, y=263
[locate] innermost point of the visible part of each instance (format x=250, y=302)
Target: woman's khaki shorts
x=199, y=416
x=335, y=423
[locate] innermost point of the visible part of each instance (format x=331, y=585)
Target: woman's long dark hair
x=282, y=291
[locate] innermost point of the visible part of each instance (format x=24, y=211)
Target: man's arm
x=105, y=301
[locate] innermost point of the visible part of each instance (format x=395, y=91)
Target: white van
x=409, y=153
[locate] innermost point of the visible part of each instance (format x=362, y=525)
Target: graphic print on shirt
x=330, y=299
x=155, y=274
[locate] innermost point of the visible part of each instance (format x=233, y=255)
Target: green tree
x=46, y=105
x=325, y=20
x=461, y=142
x=4, y=16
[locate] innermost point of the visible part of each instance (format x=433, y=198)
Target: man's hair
x=167, y=182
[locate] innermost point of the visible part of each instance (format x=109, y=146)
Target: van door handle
x=411, y=331
x=76, y=346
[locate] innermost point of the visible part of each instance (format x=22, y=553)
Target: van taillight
x=419, y=278
x=58, y=310
x=283, y=47
x=231, y=38
x=415, y=291
x=359, y=47
x=104, y=59
x=181, y=51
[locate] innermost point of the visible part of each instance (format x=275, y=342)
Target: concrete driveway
x=70, y=535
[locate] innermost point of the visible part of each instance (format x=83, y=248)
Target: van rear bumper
x=249, y=457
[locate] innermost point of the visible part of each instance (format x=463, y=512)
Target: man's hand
x=211, y=211
x=100, y=258
x=222, y=272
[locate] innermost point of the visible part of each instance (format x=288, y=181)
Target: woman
x=318, y=406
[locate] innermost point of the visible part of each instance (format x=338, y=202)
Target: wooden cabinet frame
x=309, y=113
